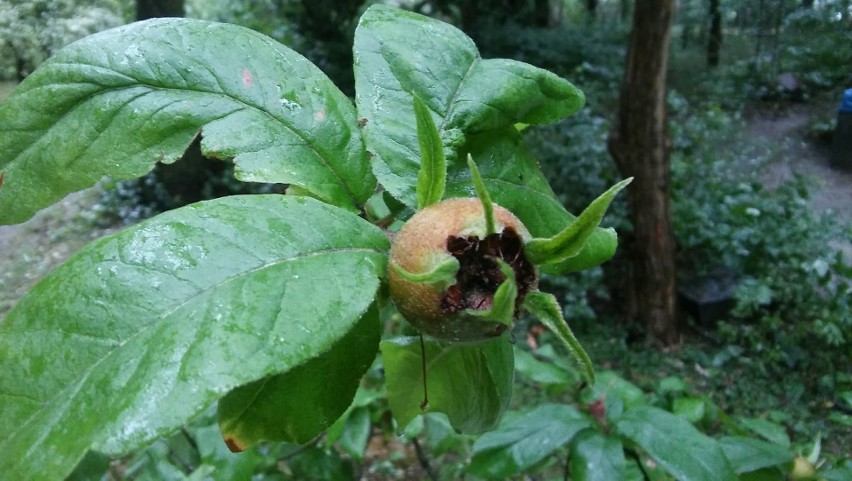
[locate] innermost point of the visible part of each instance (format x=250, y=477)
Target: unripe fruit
x=802, y=470
x=457, y=228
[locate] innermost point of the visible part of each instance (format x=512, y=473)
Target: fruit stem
x=425, y=404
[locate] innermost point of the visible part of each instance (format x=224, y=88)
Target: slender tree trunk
x=146, y=9
x=640, y=145
x=592, y=7
x=714, y=45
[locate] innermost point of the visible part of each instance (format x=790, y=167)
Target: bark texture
x=640, y=145
x=714, y=43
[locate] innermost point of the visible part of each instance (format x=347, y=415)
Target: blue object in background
x=841, y=152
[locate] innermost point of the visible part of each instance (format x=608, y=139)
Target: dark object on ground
x=841, y=153
x=708, y=299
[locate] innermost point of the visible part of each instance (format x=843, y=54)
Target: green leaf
x=432, y=178
x=768, y=430
x=548, y=311
x=520, y=443
x=747, y=454
x=117, y=102
x=399, y=54
x=484, y=197
x=275, y=408
x=609, y=384
x=692, y=409
x=442, y=275
x=469, y=382
x=570, y=241
x=356, y=433
x=503, y=309
x=514, y=181
x=545, y=373
x=142, y=330
x=675, y=444
x=596, y=457
x=841, y=474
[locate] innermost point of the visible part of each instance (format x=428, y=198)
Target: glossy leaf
x=297, y=405
x=549, y=313
x=570, y=241
x=675, y=445
x=514, y=181
x=520, y=443
x=432, y=178
x=596, y=457
x=142, y=330
x=748, y=454
x=469, y=382
x=139, y=94
x=399, y=54
x=545, y=373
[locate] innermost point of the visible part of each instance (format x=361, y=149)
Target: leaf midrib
x=82, y=375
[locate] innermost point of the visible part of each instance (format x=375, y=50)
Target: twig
x=635, y=457
x=424, y=461
x=425, y=403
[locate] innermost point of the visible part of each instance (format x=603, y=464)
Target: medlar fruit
x=456, y=229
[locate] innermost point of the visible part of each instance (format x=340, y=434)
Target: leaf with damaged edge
x=399, y=54
x=570, y=241
x=432, y=178
x=545, y=307
x=143, y=329
x=139, y=94
x=469, y=382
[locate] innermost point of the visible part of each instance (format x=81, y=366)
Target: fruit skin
x=421, y=245
x=802, y=470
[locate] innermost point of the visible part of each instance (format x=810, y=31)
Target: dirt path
x=800, y=155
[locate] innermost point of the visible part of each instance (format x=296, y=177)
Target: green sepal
x=568, y=243
x=483, y=195
x=548, y=311
x=503, y=309
x=442, y=276
x=432, y=178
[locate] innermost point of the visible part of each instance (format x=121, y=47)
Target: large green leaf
x=748, y=454
x=400, y=54
x=470, y=382
x=117, y=102
x=284, y=407
x=514, y=181
x=520, y=443
x=597, y=457
x=675, y=445
x=144, y=329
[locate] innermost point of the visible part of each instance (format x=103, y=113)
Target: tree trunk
x=640, y=145
x=592, y=7
x=714, y=44
x=146, y=9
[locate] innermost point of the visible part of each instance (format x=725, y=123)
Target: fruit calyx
x=479, y=274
